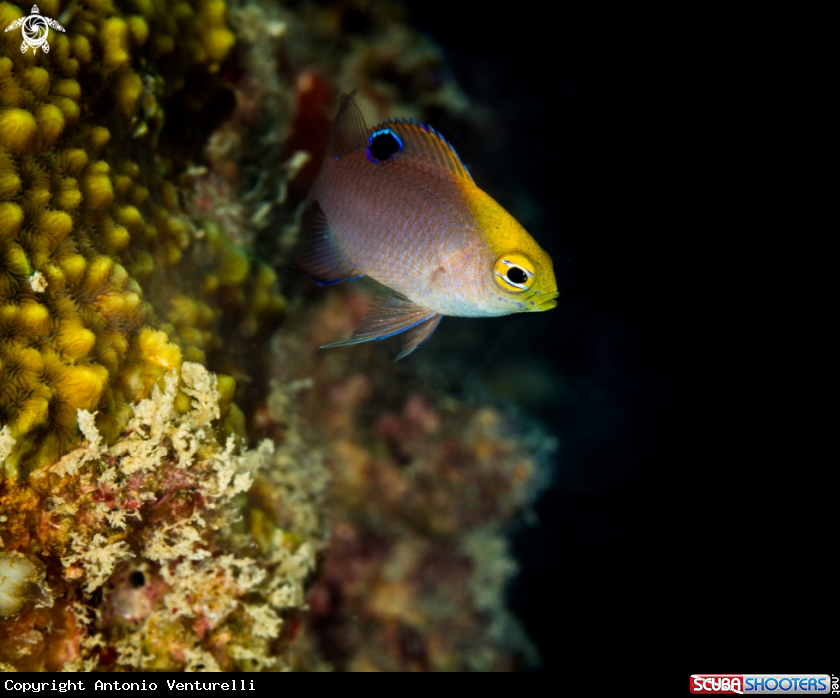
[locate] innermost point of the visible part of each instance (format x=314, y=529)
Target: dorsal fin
x=349, y=132
x=424, y=143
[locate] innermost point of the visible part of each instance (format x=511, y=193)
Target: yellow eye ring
x=514, y=272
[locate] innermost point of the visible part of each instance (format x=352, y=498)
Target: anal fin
x=318, y=252
x=390, y=315
x=418, y=335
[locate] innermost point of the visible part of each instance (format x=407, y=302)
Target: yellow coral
x=11, y=218
x=154, y=347
x=18, y=129
x=113, y=37
x=37, y=80
x=80, y=215
x=128, y=91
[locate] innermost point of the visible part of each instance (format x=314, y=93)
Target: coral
x=425, y=490
x=21, y=583
x=158, y=525
x=99, y=263
x=150, y=168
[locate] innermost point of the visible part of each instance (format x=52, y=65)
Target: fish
x=395, y=203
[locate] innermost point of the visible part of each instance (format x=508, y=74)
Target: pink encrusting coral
x=422, y=498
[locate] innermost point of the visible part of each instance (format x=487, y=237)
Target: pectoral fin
x=390, y=315
x=318, y=252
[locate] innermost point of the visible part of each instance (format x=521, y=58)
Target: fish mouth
x=547, y=302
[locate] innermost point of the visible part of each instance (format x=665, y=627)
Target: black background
x=591, y=149
x=691, y=519
x=690, y=513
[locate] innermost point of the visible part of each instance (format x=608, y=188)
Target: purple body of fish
x=396, y=204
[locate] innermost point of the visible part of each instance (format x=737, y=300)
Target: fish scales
x=396, y=204
x=387, y=229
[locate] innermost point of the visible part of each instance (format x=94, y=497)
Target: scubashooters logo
x=35, y=29
x=753, y=684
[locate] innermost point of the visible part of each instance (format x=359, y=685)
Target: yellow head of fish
x=519, y=273
x=396, y=203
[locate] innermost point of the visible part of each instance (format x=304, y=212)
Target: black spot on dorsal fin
x=424, y=143
x=349, y=134
x=383, y=144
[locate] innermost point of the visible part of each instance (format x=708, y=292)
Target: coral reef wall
x=106, y=283
x=149, y=558
x=424, y=491
x=162, y=504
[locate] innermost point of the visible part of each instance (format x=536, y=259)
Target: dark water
x=579, y=153
x=693, y=490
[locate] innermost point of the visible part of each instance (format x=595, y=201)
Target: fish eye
x=514, y=272
x=383, y=145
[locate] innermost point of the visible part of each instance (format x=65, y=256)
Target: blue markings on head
x=383, y=144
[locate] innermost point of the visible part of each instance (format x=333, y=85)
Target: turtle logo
x=35, y=29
